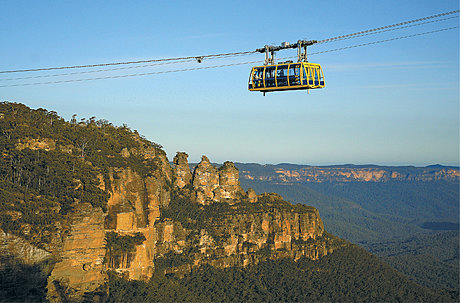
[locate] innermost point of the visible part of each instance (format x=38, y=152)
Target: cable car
x=286, y=76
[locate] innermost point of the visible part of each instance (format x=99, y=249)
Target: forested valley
x=411, y=225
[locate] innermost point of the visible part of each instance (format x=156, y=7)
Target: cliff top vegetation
x=48, y=164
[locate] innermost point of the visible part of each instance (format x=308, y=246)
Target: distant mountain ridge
x=286, y=172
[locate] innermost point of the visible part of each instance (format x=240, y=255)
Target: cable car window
x=282, y=71
x=281, y=75
x=294, y=74
x=304, y=70
x=258, y=80
x=270, y=76
x=316, y=76
x=321, y=78
x=259, y=73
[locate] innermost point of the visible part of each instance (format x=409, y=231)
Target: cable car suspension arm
x=301, y=46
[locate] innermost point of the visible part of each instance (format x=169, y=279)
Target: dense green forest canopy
x=388, y=218
x=429, y=259
x=47, y=164
x=350, y=274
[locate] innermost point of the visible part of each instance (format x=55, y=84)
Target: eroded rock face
x=158, y=195
x=142, y=266
x=19, y=249
x=244, y=238
x=134, y=207
x=136, y=262
x=80, y=268
x=127, y=200
x=229, y=184
x=205, y=181
x=182, y=170
x=135, y=201
x=252, y=196
x=216, y=185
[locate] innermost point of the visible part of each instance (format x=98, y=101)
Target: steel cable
x=382, y=41
x=127, y=62
x=223, y=65
x=178, y=59
x=388, y=26
x=102, y=70
x=394, y=29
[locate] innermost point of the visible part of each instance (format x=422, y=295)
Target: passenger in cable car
x=281, y=75
x=270, y=76
x=258, y=77
x=294, y=74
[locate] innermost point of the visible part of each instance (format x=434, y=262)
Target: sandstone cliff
x=15, y=247
x=80, y=266
x=181, y=170
x=211, y=234
x=204, y=218
x=216, y=185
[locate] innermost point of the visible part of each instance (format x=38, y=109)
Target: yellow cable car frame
x=286, y=76
x=283, y=76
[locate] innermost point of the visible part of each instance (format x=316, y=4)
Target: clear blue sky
x=390, y=103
